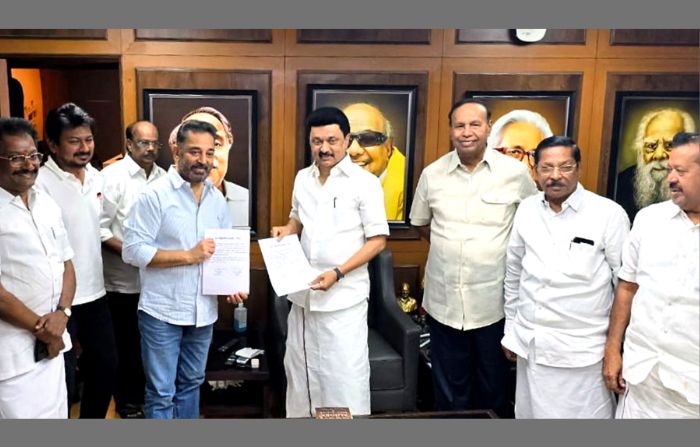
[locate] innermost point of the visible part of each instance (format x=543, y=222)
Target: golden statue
x=406, y=302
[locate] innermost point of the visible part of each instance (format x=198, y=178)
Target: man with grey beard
x=644, y=184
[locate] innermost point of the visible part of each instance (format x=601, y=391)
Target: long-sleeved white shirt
x=560, y=275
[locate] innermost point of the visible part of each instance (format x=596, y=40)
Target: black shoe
x=130, y=411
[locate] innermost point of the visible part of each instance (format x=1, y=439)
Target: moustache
x=554, y=184
x=200, y=166
x=26, y=171
x=80, y=154
x=325, y=154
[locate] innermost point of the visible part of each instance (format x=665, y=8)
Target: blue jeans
x=174, y=359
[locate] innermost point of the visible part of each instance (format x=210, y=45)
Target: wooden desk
x=252, y=397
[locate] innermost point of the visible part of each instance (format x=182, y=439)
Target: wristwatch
x=338, y=274
x=65, y=310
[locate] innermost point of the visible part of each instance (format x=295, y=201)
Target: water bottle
x=240, y=315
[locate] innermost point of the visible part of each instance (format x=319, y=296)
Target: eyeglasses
x=19, y=160
x=564, y=169
x=368, y=138
x=143, y=144
x=518, y=154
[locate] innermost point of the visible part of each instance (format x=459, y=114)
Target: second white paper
x=286, y=264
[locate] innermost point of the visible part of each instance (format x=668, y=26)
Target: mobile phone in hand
x=41, y=351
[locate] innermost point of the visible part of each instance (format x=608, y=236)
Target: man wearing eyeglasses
x=372, y=147
x=37, y=283
x=464, y=206
x=123, y=181
x=517, y=134
x=562, y=261
x=69, y=178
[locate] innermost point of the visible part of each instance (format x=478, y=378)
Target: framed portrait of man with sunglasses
x=382, y=136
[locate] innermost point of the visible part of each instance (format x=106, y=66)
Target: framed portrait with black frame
x=232, y=111
x=520, y=120
x=388, y=129
x=643, y=129
x=243, y=98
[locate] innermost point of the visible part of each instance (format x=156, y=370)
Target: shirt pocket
x=494, y=207
x=345, y=213
x=581, y=261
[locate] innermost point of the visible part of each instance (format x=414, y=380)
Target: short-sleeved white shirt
x=81, y=205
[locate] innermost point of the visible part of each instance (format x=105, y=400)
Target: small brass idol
x=407, y=303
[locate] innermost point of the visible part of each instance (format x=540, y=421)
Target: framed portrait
x=389, y=111
x=643, y=128
x=387, y=114
x=525, y=108
x=236, y=161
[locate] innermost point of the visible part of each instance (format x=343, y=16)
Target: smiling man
x=656, y=310
x=69, y=178
x=372, y=148
x=464, y=206
x=37, y=283
x=164, y=238
x=562, y=261
x=337, y=209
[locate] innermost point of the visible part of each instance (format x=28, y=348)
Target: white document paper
x=286, y=264
x=227, y=271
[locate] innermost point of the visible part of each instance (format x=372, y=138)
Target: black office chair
x=393, y=342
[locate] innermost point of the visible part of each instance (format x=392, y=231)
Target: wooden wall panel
x=365, y=36
x=508, y=36
x=111, y=45
x=655, y=37
x=346, y=49
x=643, y=50
x=77, y=34
x=204, y=43
x=210, y=35
x=453, y=47
x=4, y=90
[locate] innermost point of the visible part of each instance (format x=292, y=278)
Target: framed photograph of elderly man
x=382, y=124
x=643, y=128
x=232, y=112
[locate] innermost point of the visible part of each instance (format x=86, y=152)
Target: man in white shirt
x=338, y=209
x=464, y=206
x=123, y=181
x=76, y=186
x=562, y=261
x=37, y=283
x=656, y=307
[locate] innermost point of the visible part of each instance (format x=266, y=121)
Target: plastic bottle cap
x=255, y=363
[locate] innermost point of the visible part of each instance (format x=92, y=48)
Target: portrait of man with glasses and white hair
x=517, y=134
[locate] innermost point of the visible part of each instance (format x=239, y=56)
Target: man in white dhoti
x=37, y=283
x=562, y=261
x=656, y=307
x=338, y=209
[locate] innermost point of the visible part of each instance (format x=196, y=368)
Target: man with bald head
x=236, y=196
x=123, y=181
x=645, y=183
x=517, y=134
x=372, y=148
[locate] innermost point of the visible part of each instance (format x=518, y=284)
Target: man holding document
x=338, y=209
x=164, y=237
